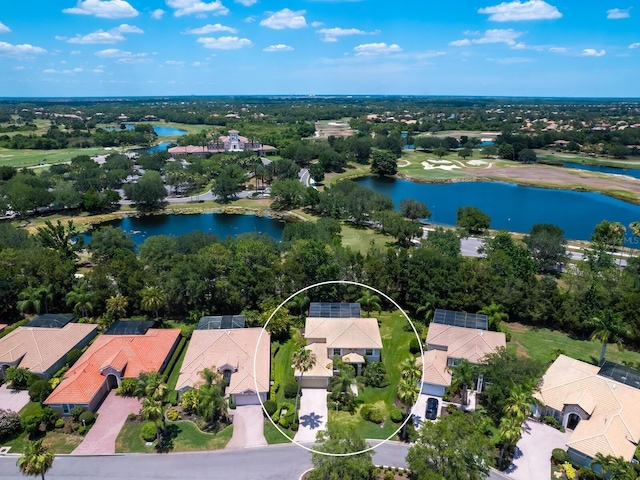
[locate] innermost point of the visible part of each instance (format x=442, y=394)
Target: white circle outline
x=255, y=356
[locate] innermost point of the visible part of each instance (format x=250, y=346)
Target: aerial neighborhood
x=374, y=286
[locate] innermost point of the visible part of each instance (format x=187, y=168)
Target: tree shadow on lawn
x=166, y=443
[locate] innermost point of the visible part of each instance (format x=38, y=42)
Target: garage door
x=433, y=390
x=249, y=399
x=309, y=382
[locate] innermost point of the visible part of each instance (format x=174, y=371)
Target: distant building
x=234, y=142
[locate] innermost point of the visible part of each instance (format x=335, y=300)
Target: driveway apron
x=248, y=426
x=313, y=414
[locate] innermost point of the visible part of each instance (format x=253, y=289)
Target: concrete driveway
x=313, y=414
x=13, y=399
x=533, y=451
x=248, y=426
x=101, y=439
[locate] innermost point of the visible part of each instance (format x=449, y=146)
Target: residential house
x=241, y=355
x=234, y=142
x=600, y=405
x=43, y=351
x=109, y=360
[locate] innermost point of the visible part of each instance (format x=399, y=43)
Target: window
x=65, y=409
x=368, y=352
x=337, y=351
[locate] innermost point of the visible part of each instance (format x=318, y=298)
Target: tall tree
x=36, y=459
x=81, y=299
x=613, y=467
x=153, y=299
x=117, y=305
x=472, y=220
x=495, y=315
x=149, y=193
x=61, y=238
x=414, y=209
x=30, y=299
x=510, y=432
x=303, y=361
x=462, y=379
x=453, y=448
x=370, y=301
x=407, y=392
x=384, y=162
x=548, y=246
x=152, y=410
x=608, y=327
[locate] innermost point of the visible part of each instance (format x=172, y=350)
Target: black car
x=432, y=409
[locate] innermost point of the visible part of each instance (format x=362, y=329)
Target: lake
x=160, y=131
x=220, y=224
x=162, y=146
x=630, y=172
x=512, y=207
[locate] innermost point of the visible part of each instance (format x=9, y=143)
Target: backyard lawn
x=282, y=371
x=542, y=344
x=395, y=341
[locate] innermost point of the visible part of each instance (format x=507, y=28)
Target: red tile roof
x=134, y=353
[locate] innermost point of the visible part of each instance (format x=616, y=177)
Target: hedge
x=148, y=432
x=174, y=359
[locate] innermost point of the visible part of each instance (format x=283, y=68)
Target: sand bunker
x=438, y=161
x=476, y=163
x=428, y=166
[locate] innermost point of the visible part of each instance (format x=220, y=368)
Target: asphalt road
x=277, y=462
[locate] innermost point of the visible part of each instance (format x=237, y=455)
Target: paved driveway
x=248, y=426
x=13, y=399
x=313, y=414
x=533, y=451
x=101, y=439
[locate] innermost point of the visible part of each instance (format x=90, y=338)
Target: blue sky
x=416, y=47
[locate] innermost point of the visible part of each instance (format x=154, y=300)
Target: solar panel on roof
x=221, y=322
x=621, y=373
x=51, y=320
x=334, y=310
x=452, y=318
x=129, y=327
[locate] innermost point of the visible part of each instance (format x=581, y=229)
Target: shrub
x=389, y=475
x=148, y=432
x=372, y=414
x=32, y=425
x=59, y=423
x=569, y=471
x=507, y=336
x=9, y=423
x=53, y=383
x=48, y=417
x=17, y=377
x=585, y=473
x=232, y=405
x=73, y=356
x=412, y=434
x=414, y=346
x=82, y=429
x=39, y=391
x=290, y=390
x=75, y=412
x=173, y=415
x=396, y=415
x=285, y=422
x=131, y=417
x=172, y=397
x=270, y=407
x=87, y=418
x=559, y=456
x=375, y=375
x=294, y=426
x=127, y=387
x=189, y=400
x=274, y=389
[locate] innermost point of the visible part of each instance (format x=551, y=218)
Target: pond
x=512, y=207
x=631, y=172
x=220, y=224
x=160, y=130
x=162, y=146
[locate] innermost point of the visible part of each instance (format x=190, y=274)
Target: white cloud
x=63, y=72
x=316, y=24
x=225, y=43
x=210, y=29
x=511, y=60
x=19, y=67
x=174, y=62
x=157, y=14
x=196, y=64
x=592, y=52
x=101, y=37
x=281, y=47
x=4, y=28
x=634, y=45
x=376, y=49
x=332, y=34
x=198, y=7
x=103, y=9
x=75, y=52
x=618, y=13
x=460, y=43
x=558, y=49
x=429, y=54
x=97, y=70
x=472, y=33
x=517, y=10
x=10, y=50
x=122, y=56
x=285, y=18
x=247, y=3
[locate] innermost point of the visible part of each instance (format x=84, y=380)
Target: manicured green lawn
x=541, y=344
x=273, y=435
x=175, y=372
x=184, y=436
x=26, y=157
x=395, y=341
x=359, y=239
x=283, y=373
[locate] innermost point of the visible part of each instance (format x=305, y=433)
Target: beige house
x=232, y=352
x=602, y=412
x=356, y=340
x=43, y=351
x=456, y=344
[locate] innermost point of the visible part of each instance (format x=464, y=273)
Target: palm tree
x=303, y=361
x=46, y=295
x=519, y=403
x=340, y=384
x=613, y=467
x=299, y=302
x=510, y=432
x=30, y=299
x=635, y=230
x=495, y=314
x=407, y=392
x=153, y=410
x=608, y=327
x=427, y=309
x=462, y=379
x=117, y=305
x=81, y=299
x=153, y=299
x=369, y=301
x=411, y=370
x=211, y=403
x=35, y=460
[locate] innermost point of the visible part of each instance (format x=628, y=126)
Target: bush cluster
x=290, y=390
x=9, y=423
x=39, y=391
x=127, y=387
x=372, y=413
x=87, y=418
x=396, y=415
x=414, y=346
x=270, y=407
x=375, y=375
x=559, y=456
x=148, y=432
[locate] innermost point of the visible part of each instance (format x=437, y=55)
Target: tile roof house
x=43, y=350
x=356, y=340
x=234, y=142
x=106, y=362
x=602, y=412
x=232, y=353
x=457, y=344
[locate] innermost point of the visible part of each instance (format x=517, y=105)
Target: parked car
x=432, y=409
